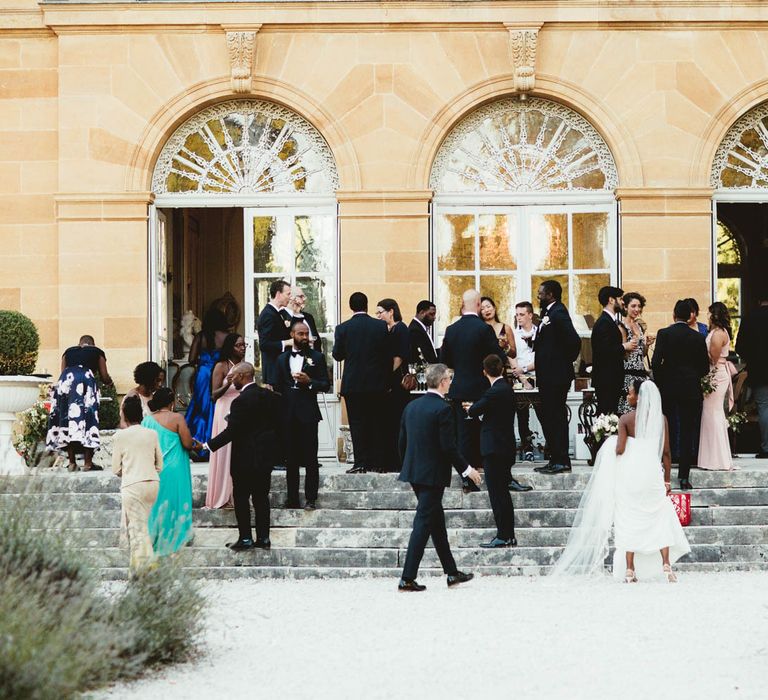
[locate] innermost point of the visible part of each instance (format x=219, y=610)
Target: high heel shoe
x=671, y=578
x=630, y=577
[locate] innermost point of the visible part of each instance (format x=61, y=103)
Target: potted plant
x=19, y=345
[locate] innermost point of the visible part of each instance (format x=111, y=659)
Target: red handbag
x=682, y=504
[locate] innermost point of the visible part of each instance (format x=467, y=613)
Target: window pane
x=536, y=281
x=455, y=244
x=271, y=245
x=321, y=301
x=503, y=290
x=548, y=236
x=315, y=243
x=585, y=303
x=498, y=242
x=448, y=298
x=590, y=241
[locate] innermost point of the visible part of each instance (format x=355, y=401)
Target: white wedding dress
x=626, y=495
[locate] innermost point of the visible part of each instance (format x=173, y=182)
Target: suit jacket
x=752, y=345
x=420, y=340
x=272, y=332
x=427, y=442
x=557, y=346
x=309, y=319
x=253, y=429
x=496, y=406
x=301, y=404
x=467, y=343
x=680, y=360
x=363, y=344
x=607, y=353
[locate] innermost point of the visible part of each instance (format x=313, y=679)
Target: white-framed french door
x=506, y=250
x=159, y=323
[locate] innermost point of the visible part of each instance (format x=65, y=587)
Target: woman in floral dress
x=634, y=361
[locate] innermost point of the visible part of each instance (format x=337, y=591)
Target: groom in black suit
x=428, y=450
x=497, y=445
x=302, y=373
x=680, y=360
x=273, y=328
x=557, y=346
x=608, y=348
x=252, y=428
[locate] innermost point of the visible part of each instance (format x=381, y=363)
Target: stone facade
x=90, y=93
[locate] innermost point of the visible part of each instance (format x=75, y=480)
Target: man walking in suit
x=557, y=346
x=252, y=430
x=302, y=373
x=608, y=351
x=680, y=360
x=273, y=328
x=467, y=342
x=497, y=446
x=421, y=342
x=752, y=346
x=362, y=343
x=428, y=450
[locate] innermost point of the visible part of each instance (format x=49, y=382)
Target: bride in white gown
x=628, y=493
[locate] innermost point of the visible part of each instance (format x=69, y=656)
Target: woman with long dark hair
x=634, y=360
x=714, y=447
x=501, y=330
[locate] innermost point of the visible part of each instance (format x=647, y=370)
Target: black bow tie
x=295, y=353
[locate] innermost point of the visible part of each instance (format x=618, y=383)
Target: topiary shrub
x=19, y=344
x=109, y=411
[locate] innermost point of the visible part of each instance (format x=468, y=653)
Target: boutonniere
x=287, y=324
x=309, y=361
x=545, y=321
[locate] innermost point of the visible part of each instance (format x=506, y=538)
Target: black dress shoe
x=543, y=468
x=685, y=485
x=761, y=455
x=263, y=544
x=557, y=469
x=469, y=486
x=407, y=586
x=497, y=543
x=292, y=504
x=515, y=485
x=459, y=577
x=357, y=470
x=310, y=505
x=241, y=545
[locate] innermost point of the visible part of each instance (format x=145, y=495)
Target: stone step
x=398, y=537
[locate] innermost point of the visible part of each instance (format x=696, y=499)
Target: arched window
x=246, y=147
x=741, y=160
x=524, y=192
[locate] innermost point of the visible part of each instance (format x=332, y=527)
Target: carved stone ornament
x=242, y=49
x=523, y=41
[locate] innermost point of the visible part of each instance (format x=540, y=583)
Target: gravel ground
x=706, y=637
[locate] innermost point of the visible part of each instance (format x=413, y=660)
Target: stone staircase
x=363, y=524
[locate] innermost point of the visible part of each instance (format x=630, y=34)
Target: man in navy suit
x=467, y=342
x=302, y=373
x=362, y=343
x=608, y=349
x=428, y=450
x=418, y=330
x=273, y=328
x=497, y=446
x=557, y=346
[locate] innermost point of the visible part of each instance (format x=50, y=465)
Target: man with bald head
x=467, y=343
x=252, y=428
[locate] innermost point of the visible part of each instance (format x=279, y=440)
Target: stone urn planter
x=17, y=393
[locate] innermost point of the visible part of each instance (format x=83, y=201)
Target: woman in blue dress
x=170, y=521
x=204, y=354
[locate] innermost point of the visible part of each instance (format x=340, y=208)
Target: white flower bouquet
x=605, y=424
x=708, y=382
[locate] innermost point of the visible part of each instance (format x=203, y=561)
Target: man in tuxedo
x=752, y=346
x=523, y=368
x=680, y=360
x=253, y=431
x=557, y=346
x=421, y=342
x=302, y=373
x=362, y=343
x=296, y=313
x=273, y=328
x=497, y=446
x=467, y=342
x=608, y=348
x=428, y=449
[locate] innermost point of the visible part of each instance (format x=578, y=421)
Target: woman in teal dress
x=170, y=521
x=204, y=354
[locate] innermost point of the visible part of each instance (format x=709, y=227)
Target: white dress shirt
x=525, y=354
x=431, y=342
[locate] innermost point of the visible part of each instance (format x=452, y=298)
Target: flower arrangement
x=605, y=424
x=708, y=382
x=32, y=427
x=737, y=420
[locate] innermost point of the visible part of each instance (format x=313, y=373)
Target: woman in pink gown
x=223, y=392
x=714, y=447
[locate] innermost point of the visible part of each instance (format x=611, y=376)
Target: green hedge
x=19, y=344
